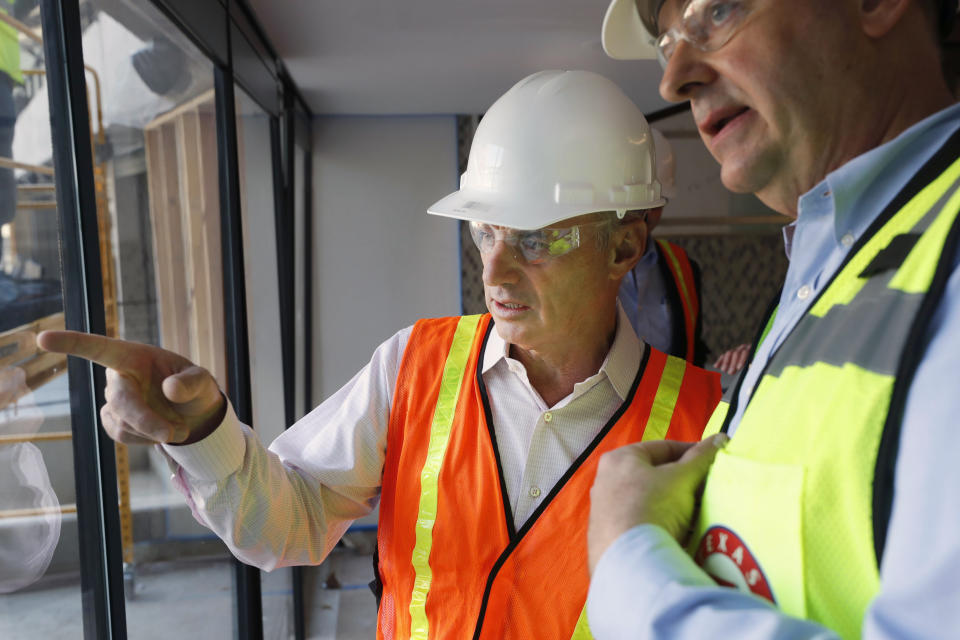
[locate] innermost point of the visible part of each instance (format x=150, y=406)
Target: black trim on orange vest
x=487, y=416
x=517, y=538
x=883, y=487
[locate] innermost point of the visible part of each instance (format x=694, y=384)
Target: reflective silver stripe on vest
x=870, y=331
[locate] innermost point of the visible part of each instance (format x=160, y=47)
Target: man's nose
x=686, y=71
x=501, y=264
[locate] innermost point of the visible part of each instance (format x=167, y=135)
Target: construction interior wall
x=379, y=262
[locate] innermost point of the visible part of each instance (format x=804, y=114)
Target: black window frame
x=242, y=56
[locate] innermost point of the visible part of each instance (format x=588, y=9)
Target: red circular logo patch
x=727, y=559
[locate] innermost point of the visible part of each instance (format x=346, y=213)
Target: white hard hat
x=666, y=164
x=557, y=145
x=629, y=29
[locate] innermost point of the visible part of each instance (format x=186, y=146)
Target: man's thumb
x=188, y=385
x=699, y=457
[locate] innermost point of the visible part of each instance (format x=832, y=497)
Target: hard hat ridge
x=557, y=145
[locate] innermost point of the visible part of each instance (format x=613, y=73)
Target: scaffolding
x=18, y=346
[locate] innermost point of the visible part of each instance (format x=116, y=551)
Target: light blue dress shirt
x=643, y=295
x=645, y=586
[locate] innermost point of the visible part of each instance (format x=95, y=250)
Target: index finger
x=107, y=352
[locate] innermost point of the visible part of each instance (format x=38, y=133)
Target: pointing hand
x=153, y=395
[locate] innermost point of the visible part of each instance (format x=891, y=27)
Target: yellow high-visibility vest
x=10, y=46
x=795, y=508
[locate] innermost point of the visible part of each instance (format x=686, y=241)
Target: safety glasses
x=706, y=24
x=536, y=246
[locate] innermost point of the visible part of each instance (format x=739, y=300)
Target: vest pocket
x=749, y=534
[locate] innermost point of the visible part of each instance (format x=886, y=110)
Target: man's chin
x=510, y=331
x=738, y=178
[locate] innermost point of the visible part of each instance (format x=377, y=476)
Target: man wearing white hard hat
x=833, y=510
x=478, y=436
x=661, y=294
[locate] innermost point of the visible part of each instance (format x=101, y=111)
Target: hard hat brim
x=474, y=206
x=624, y=35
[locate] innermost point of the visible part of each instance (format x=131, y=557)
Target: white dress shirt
x=289, y=504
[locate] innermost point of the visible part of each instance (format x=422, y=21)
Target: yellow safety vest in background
x=10, y=46
x=795, y=509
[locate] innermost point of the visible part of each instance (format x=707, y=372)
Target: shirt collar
x=620, y=366
x=857, y=192
x=788, y=232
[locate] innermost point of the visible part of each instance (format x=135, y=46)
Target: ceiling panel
x=438, y=56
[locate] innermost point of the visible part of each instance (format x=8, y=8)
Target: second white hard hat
x=557, y=145
x=629, y=29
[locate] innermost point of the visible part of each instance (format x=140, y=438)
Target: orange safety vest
x=451, y=563
x=682, y=289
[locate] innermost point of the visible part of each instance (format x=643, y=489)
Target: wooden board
x=18, y=348
x=182, y=178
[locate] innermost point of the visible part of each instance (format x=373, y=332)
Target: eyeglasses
x=536, y=246
x=706, y=24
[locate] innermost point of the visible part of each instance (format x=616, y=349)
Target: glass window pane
x=263, y=316
x=157, y=179
x=39, y=560
x=299, y=293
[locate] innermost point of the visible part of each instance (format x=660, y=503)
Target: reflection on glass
x=157, y=188
x=32, y=528
x=299, y=292
x=263, y=316
x=38, y=532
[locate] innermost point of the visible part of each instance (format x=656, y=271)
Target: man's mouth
x=718, y=120
x=509, y=307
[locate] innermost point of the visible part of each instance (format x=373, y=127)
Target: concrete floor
x=183, y=577
x=192, y=598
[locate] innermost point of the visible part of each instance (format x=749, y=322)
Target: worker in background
x=478, y=436
x=10, y=76
x=661, y=295
x=834, y=509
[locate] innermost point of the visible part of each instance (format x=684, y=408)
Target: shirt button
x=847, y=239
x=534, y=492
x=826, y=194
x=804, y=292
x=547, y=417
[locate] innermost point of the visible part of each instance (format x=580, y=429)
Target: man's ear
x=627, y=245
x=878, y=17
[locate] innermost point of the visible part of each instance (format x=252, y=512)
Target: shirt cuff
x=215, y=457
x=635, y=569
